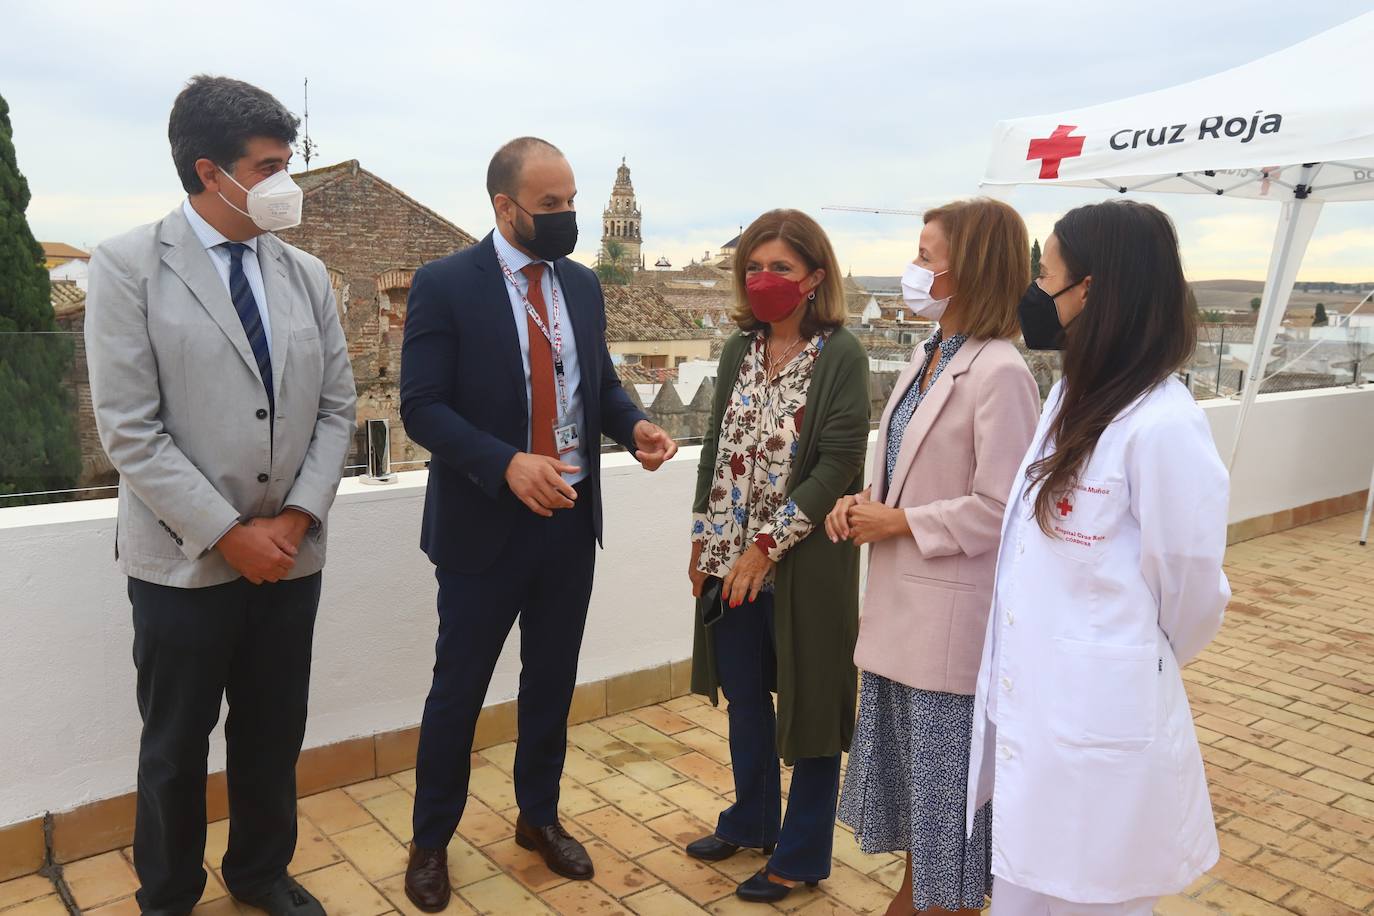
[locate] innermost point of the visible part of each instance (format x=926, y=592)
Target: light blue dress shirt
x=214, y=241
x=517, y=260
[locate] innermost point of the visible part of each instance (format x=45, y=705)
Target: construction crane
x=879, y=210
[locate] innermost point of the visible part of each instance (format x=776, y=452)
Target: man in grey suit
x=224, y=397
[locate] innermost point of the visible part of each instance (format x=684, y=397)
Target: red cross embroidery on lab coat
x=1064, y=506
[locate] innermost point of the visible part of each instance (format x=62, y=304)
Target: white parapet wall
x=67, y=714
x=1299, y=447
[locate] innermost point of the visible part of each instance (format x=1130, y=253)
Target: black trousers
x=192, y=648
x=544, y=579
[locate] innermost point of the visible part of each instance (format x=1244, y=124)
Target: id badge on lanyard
x=566, y=438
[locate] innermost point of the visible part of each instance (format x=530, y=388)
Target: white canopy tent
x=1296, y=127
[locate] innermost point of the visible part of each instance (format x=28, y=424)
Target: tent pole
x=1294, y=231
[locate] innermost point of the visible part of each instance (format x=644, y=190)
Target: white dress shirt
x=214, y=242
x=517, y=260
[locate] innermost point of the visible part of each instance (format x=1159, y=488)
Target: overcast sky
x=724, y=109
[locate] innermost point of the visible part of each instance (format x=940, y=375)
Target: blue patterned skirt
x=905, y=791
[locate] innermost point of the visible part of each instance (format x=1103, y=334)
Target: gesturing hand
x=259, y=553
x=653, y=446
x=746, y=577
x=537, y=481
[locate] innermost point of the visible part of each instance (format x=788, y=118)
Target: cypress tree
x=38, y=446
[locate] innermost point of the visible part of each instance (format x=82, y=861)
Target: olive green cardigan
x=816, y=596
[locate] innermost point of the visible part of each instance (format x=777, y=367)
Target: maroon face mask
x=772, y=297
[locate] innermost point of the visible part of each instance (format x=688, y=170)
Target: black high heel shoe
x=713, y=849
x=760, y=889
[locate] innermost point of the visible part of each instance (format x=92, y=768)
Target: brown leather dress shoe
x=562, y=854
x=427, y=883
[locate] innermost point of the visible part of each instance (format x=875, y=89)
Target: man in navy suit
x=506, y=379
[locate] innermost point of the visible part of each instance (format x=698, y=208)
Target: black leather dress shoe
x=284, y=897
x=427, y=883
x=762, y=889
x=561, y=852
x=713, y=849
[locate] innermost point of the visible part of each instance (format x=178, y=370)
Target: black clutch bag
x=713, y=607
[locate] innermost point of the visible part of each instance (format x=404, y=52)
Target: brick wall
x=96, y=470
x=372, y=237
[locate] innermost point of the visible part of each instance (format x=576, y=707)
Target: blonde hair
x=806, y=237
x=989, y=258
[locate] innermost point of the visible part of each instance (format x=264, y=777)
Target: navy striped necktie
x=247, y=307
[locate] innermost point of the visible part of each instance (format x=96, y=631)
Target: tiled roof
x=63, y=250
x=67, y=297
x=697, y=301
x=693, y=275
x=640, y=313
x=315, y=179
x=631, y=374
x=706, y=272
x=309, y=181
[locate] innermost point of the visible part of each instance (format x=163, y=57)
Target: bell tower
x=620, y=224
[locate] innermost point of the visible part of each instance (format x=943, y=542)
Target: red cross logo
x=1054, y=149
x=1064, y=506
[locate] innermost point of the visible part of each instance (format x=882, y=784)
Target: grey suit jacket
x=181, y=409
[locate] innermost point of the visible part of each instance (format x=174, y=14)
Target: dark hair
x=214, y=117
x=503, y=174
x=1137, y=328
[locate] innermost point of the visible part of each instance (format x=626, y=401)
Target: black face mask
x=1040, y=319
x=555, y=234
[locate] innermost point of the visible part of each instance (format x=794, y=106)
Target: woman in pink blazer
x=955, y=430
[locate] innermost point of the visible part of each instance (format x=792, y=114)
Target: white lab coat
x=1093, y=765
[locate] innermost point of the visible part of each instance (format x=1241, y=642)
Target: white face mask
x=916, y=284
x=273, y=203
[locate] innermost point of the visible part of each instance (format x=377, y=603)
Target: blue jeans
x=745, y=662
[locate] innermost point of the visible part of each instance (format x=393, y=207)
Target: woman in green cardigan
x=777, y=601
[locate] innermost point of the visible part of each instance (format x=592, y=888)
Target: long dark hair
x=1137, y=328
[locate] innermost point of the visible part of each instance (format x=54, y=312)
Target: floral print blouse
x=757, y=440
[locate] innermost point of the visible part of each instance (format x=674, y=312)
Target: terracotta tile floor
x=1284, y=702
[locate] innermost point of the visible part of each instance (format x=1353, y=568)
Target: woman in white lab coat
x=1109, y=580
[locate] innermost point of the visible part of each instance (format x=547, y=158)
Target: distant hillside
x=1236, y=295
x=880, y=284
x=1254, y=287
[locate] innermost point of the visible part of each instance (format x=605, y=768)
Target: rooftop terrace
x=1283, y=701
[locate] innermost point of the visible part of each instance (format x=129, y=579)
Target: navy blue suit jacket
x=463, y=398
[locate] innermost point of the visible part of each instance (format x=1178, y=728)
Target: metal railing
x=50, y=451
